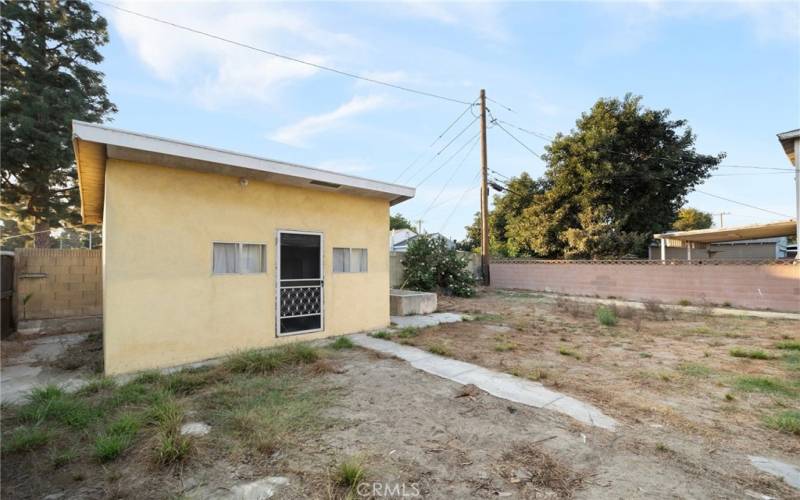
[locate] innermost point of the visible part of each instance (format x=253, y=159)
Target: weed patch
x=268, y=360
x=381, y=335
x=695, y=369
x=439, y=349
x=566, y=351
x=25, y=439
x=606, y=316
x=766, y=385
x=786, y=421
x=738, y=352
x=791, y=345
x=341, y=343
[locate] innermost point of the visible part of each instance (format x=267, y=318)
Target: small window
x=349, y=260
x=239, y=258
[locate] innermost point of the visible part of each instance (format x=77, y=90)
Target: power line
x=419, y=157
x=468, y=141
x=698, y=191
x=450, y=179
x=460, y=199
x=742, y=204
x=549, y=138
x=534, y=153
x=281, y=56
x=431, y=160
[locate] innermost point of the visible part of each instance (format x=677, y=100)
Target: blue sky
x=732, y=69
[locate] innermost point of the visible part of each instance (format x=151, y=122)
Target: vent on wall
x=326, y=184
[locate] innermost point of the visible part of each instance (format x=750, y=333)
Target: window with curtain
x=349, y=260
x=239, y=258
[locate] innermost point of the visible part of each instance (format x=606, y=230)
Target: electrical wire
x=468, y=142
x=742, y=203
x=281, y=56
x=450, y=179
x=534, y=153
x=434, y=157
x=546, y=137
x=419, y=157
x=455, y=207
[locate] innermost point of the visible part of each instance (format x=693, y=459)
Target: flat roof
x=736, y=233
x=93, y=144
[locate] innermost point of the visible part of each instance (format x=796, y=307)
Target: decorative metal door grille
x=299, y=301
x=300, y=298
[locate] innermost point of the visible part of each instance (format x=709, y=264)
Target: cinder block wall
x=61, y=283
x=753, y=285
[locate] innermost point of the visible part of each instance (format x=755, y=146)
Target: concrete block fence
x=773, y=285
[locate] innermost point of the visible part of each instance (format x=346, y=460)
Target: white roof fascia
x=159, y=145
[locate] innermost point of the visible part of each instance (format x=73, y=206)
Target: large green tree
x=691, y=218
x=517, y=195
x=621, y=175
x=398, y=221
x=49, y=78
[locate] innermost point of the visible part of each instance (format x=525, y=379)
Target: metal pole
x=484, y=195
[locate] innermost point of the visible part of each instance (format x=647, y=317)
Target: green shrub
x=430, y=266
x=606, y=316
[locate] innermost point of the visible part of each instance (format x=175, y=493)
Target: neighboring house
x=767, y=248
x=206, y=251
x=398, y=236
x=766, y=241
x=402, y=245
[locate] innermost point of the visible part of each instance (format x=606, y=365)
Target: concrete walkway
x=28, y=370
x=495, y=383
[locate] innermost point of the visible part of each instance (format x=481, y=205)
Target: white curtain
x=358, y=260
x=341, y=260
x=225, y=258
x=253, y=258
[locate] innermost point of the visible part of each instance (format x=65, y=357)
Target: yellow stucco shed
x=206, y=251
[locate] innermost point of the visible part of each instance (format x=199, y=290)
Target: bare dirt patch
x=404, y=428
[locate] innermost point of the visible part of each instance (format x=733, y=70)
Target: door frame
x=321, y=235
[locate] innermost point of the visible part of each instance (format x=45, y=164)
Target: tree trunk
x=41, y=240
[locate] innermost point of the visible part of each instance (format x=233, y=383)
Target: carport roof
x=737, y=233
x=94, y=144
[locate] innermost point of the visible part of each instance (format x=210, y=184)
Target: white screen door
x=300, y=297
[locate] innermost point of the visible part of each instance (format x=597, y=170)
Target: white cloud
x=298, y=133
x=482, y=17
x=214, y=72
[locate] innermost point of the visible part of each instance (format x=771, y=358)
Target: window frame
x=239, y=245
x=349, y=260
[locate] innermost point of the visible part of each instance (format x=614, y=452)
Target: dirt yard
x=325, y=420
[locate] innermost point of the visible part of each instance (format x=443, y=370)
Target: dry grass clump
x=528, y=464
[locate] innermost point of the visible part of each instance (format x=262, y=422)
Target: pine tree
x=49, y=55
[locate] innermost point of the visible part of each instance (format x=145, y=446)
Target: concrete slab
x=498, y=384
x=411, y=302
x=195, y=429
x=425, y=320
x=789, y=472
x=258, y=490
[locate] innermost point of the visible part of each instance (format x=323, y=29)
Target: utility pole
x=484, y=195
x=721, y=221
